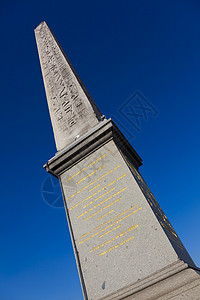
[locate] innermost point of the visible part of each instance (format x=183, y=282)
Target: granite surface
x=118, y=238
x=72, y=110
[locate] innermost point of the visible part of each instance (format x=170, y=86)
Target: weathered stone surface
x=72, y=110
x=183, y=285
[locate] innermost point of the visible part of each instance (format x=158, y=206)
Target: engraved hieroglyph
x=72, y=110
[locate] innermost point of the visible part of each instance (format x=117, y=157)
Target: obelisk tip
x=43, y=23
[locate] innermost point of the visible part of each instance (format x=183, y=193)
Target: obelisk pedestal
x=124, y=245
x=123, y=240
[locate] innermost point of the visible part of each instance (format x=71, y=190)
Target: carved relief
x=66, y=105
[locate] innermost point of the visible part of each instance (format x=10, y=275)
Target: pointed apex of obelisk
x=40, y=25
x=72, y=110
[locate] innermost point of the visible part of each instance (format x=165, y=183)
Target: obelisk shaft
x=72, y=110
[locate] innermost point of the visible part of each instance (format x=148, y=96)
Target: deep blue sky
x=117, y=47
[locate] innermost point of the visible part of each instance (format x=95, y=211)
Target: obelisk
x=125, y=246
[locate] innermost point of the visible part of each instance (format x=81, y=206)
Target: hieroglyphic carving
x=66, y=104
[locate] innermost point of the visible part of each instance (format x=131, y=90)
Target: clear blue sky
x=117, y=47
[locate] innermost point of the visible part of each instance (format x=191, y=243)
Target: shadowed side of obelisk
x=72, y=110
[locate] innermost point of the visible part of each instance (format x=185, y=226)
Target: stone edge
x=88, y=143
x=147, y=282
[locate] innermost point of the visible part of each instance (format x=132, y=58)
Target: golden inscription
x=89, y=197
x=105, y=215
x=116, y=246
x=89, y=165
x=106, y=223
x=97, y=205
x=162, y=218
x=101, y=203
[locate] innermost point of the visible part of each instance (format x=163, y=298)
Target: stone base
x=177, y=282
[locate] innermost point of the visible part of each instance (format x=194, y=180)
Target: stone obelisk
x=125, y=246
